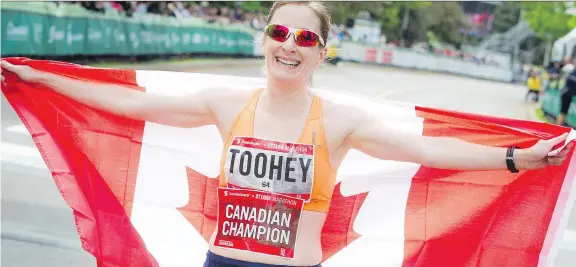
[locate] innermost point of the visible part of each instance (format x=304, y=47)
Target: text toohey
x=262, y=165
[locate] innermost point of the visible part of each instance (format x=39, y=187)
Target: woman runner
x=290, y=120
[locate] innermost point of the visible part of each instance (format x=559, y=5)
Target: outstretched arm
x=377, y=140
x=180, y=111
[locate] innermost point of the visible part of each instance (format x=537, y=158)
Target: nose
x=290, y=44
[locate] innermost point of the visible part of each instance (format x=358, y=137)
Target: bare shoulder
x=226, y=103
x=341, y=114
x=340, y=119
x=225, y=98
x=214, y=95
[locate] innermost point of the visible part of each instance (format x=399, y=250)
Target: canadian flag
x=144, y=194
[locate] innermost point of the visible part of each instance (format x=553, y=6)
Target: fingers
x=564, y=151
x=557, y=140
x=6, y=65
x=539, y=164
x=556, y=160
x=560, y=157
x=2, y=74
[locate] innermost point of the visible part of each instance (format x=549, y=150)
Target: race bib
x=277, y=167
x=257, y=221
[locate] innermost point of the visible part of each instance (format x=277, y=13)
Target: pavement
x=38, y=227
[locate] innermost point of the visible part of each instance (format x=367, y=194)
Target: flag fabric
x=144, y=194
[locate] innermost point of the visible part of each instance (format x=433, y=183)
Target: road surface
x=38, y=228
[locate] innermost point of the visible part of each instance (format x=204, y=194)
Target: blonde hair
x=318, y=8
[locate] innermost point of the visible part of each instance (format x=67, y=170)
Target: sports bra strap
x=252, y=105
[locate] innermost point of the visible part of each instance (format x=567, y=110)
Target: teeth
x=287, y=62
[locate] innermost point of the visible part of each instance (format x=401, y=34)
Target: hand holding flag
x=24, y=72
x=539, y=155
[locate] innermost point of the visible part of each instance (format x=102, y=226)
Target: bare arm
x=377, y=140
x=180, y=111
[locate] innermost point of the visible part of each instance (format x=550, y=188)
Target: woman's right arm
x=180, y=111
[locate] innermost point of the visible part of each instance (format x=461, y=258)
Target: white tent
x=564, y=46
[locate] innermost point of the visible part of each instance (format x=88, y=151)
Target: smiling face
x=286, y=61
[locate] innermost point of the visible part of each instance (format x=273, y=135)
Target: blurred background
x=470, y=56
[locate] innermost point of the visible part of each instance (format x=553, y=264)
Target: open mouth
x=291, y=63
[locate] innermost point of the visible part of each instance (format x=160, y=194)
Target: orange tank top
x=307, y=174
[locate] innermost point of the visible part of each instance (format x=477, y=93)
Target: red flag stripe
x=73, y=139
x=561, y=213
x=456, y=218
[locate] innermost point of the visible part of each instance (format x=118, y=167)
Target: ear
x=322, y=55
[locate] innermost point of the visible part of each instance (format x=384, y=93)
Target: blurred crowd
x=538, y=79
x=227, y=14
x=181, y=10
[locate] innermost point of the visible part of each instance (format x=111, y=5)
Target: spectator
x=211, y=14
x=534, y=85
x=109, y=5
x=257, y=21
x=173, y=11
x=140, y=8
x=182, y=10
x=94, y=6
x=238, y=14
x=154, y=8
x=195, y=10
x=554, y=73
x=567, y=94
x=568, y=66
x=223, y=15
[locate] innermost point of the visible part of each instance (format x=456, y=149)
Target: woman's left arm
x=377, y=140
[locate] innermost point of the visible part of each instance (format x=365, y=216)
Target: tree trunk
x=404, y=27
x=548, y=50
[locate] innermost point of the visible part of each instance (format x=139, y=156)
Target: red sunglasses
x=303, y=38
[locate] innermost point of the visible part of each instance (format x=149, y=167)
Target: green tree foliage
x=548, y=19
x=444, y=19
x=390, y=21
x=254, y=6
x=384, y=12
x=342, y=11
x=572, y=22
x=416, y=25
x=506, y=15
x=389, y=14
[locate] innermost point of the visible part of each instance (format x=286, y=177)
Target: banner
x=145, y=194
x=40, y=29
x=406, y=58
